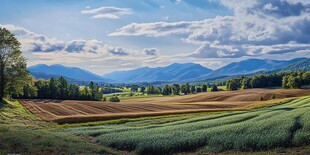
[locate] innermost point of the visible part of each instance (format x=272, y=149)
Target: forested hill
x=303, y=65
x=42, y=71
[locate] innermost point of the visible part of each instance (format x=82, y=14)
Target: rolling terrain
x=176, y=72
x=279, y=126
x=173, y=72
x=73, y=73
x=70, y=111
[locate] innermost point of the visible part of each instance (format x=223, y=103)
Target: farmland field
x=69, y=111
x=279, y=126
x=275, y=126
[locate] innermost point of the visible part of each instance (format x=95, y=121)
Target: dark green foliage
x=30, y=90
x=198, y=90
x=142, y=89
x=60, y=89
x=188, y=89
x=114, y=99
x=193, y=89
x=204, y=88
x=151, y=90
x=63, y=88
x=13, y=73
x=176, y=89
x=167, y=90
x=109, y=90
x=74, y=91
x=233, y=84
x=134, y=88
x=54, y=88
x=43, y=89
x=85, y=94
x=285, y=79
x=214, y=88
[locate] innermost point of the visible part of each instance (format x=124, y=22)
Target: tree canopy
x=13, y=73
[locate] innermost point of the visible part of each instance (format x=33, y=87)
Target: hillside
x=251, y=66
x=75, y=74
x=300, y=65
x=173, y=72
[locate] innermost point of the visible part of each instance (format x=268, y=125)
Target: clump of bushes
x=214, y=88
x=114, y=99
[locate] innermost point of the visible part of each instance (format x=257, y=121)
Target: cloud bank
x=257, y=28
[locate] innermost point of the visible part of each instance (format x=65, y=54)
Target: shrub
x=114, y=99
x=214, y=88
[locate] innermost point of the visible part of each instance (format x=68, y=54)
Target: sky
x=103, y=36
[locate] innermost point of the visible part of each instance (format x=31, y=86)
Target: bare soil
x=72, y=111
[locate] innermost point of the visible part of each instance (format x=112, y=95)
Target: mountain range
x=46, y=72
x=176, y=72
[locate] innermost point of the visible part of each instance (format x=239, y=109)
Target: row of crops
x=283, y=125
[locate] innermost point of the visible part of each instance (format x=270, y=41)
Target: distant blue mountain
x=303, y=65
x=251, y=66
x=193, y=72
x=43, y=71
x=174, y=72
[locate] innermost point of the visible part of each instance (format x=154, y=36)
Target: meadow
x=21, y=132
x=278, y=126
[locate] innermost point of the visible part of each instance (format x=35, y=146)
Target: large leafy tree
x=13, y=72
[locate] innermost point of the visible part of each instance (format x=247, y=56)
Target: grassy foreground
x=266, y=130
x=280, y=126
x=23, y=133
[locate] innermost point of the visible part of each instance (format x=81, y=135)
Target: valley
x=70, y=111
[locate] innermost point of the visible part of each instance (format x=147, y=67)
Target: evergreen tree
x=74, y=92
x=188, y=90
x=166, y=90
x=63, y=88
x=214, y=88
x=176, y=89
x=53, y=86
x=193, y=89
x=204, y=88
x=199, y=90
x=183, y=89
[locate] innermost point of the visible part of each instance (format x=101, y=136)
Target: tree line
x=282, y=79
x=61, y=89
x=176, y=89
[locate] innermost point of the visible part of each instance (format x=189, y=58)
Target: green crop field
x=280, y=128
x=284, y=125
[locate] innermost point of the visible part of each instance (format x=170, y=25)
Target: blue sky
x=108, y=35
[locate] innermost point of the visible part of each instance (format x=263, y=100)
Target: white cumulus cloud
x=107, y=12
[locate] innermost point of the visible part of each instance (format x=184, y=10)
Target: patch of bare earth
x=71, y=111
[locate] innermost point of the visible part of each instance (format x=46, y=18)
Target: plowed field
x=71, y=111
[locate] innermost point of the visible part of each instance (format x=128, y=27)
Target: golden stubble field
x=72, y=111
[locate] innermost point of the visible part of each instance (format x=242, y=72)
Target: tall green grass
x=283, y=125
x=23, y=133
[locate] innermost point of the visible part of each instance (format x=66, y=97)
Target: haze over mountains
x=45, y=72
x=175, y=72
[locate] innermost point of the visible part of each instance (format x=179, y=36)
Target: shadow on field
x=286, y=109
x=47, y=101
